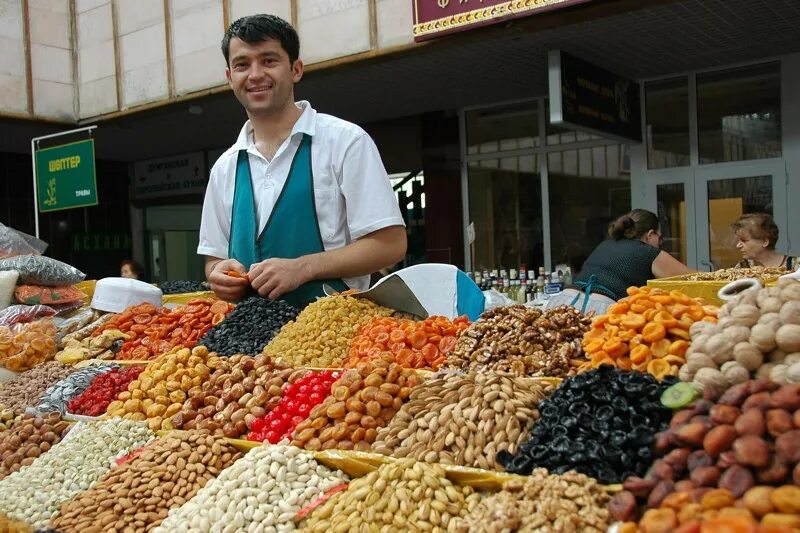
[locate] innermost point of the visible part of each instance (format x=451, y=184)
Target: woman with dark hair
x=629, y=257
x=757, y=234
x=130, y=269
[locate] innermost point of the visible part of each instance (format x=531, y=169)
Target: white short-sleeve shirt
x=351, y=188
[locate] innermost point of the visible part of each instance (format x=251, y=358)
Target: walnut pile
x=732, y=274
x=523, y=341
x=541, y=503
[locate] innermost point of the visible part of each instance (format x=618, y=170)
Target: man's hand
x=275, y=277
x=228, y=288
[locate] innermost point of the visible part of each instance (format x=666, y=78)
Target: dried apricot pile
x=647, y=331
x=151, y=331
x=409, y=343
x=25, y=345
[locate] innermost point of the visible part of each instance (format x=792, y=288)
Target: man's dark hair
x=257, y=28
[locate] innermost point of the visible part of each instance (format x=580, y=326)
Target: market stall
x=666, y=414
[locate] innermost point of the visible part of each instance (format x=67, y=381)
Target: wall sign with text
x=434, y=18
x=586, y=97
x=177, y=175
x=65, y=176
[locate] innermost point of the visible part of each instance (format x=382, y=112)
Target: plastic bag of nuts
x=361, y=401
x=242, y=389
x=139, y=494
x=523, y=341
x=542, y=502
x=322, y=333
x=266, y=488
x=162, y=388
x=402, y=496
x=27, y=438
x=464, y=419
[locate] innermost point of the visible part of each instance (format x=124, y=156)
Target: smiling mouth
x=259, y=89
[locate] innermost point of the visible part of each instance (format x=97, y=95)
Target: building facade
x=462, y=120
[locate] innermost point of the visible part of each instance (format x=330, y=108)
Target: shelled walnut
x=523, y=341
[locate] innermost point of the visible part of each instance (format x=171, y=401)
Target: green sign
x=65, y=176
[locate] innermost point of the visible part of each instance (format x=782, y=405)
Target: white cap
x=114, y=295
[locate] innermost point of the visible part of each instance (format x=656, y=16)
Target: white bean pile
x=260, y=493
x=34, y=494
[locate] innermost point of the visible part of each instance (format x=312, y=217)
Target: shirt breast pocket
x=329, y=209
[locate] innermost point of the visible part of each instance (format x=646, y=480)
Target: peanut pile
x=463, y=420
x=523, y=341
x=140, y=493
x=404, y=496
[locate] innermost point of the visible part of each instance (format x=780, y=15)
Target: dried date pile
x=523, y=341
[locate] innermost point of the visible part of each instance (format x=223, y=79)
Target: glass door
x=673, y=200
x=726, y=192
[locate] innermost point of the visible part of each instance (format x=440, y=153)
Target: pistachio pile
x=463, y=419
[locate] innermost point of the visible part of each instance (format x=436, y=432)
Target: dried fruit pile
x=25, y=345
x=523, y=341
x=601, y=423
x=362, y=401
x=647, y=331
x=322, y=333
x=240, y=389
x=152, y=331
x=463, y=419
x=758, y=335
x=760, y=508
x=25, y=390
x=162, y=388
x=103, y=390
x=750, y=435
x=296, y=403
x=251, y=325
x=27, y=438
x=411, y=343
x=732, y=274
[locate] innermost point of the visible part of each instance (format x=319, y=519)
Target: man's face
x=261, y=76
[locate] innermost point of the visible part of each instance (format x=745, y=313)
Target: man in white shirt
x=302, y=198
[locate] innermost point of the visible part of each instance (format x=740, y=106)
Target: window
x=738, y=114
x=587, y=191
x=505, y=204
x=667, y=128
x=502, y=128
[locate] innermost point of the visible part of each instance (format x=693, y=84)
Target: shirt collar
x=305, y=124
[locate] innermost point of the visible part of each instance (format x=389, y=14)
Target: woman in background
x=130, y=269
x=757, y=235
x=631, y=256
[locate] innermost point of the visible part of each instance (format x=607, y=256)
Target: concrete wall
x=125, y=54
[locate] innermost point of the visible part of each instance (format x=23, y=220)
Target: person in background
x=757, y=234
x=302, y=198
x=629, y=257
x=130, y=269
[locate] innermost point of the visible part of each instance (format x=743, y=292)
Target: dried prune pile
x=181, y=286
x=601, y=423
x=249, y=327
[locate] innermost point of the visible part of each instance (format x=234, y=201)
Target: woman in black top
x=631, y=256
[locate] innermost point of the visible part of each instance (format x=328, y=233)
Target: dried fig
x=706, y=476
x=787, y=446
x=736, y=479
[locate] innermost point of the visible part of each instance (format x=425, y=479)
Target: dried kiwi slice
x=679, y=395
